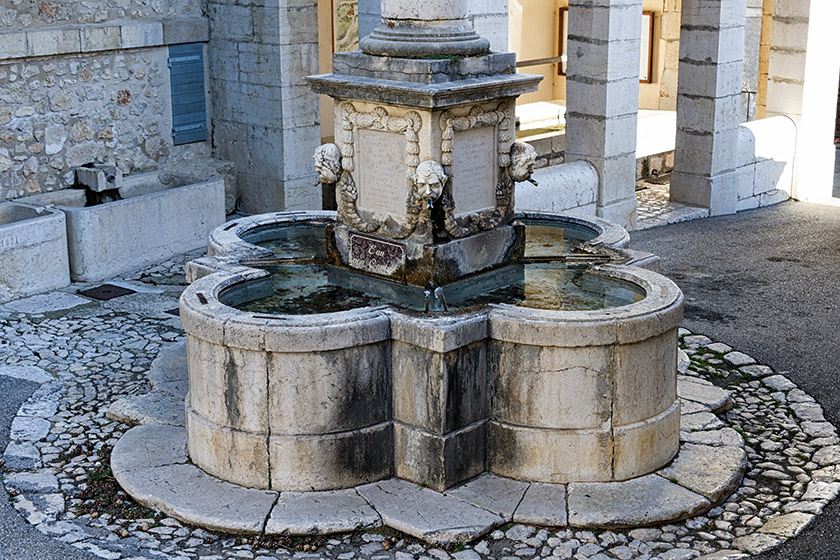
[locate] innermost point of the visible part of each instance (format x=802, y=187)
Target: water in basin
x=544, y=238
x=300, y=240
x=316, y=287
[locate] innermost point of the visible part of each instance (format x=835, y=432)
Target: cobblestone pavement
x=90, y=353
x=655, y=209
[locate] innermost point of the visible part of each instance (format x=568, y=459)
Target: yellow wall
x=533, y=29
x=325, y=66
x=532, y=32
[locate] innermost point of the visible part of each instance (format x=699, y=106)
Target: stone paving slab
x=145, y=303
x=700, y=421
x=154, y=407
x=787, y=525
x=47, y=303
x=27, y=373
x=21, y=456
x=28, y=428
x=494, y=493
x=713, y=472
x=32, y=481
x=714, y=398
x=756, y=542
x=318, y=513
x=169, y=370
x=724, y=436
x=683, y=361
x=543, y=504
x=646, y=500
x=150, y=446
x=189, y=494
x=426, y=514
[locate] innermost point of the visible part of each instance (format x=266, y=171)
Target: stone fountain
x=378, y=399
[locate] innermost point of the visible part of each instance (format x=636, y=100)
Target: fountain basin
x=302, y=402
x=160, y=215
x=33, y=251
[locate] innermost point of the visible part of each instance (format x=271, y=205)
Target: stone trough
x=160, y=215
x=327, y=401
x=33, y=251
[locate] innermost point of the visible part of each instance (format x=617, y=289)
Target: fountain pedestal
x=392, y=114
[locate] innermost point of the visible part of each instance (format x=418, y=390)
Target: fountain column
x=415, y=28
x=425, y=129
x=602, y=99
x=709, y=104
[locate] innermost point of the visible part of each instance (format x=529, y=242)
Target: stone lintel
x=100, y=37
x=429, y=96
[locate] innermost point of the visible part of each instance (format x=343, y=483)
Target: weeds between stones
x=103, y=494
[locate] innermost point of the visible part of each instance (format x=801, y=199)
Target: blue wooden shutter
x=186, y=74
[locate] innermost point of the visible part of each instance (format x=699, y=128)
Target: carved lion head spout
x=428, y=180
x=327, y=163
x=523, y=157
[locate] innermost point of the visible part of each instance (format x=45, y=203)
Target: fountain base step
x=151, y=464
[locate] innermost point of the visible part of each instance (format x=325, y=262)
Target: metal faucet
x=440, y=298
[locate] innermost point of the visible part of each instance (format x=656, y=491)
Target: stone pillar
x=602, y=99
x=802, y=83
x=414, y=28
x=708, y=104
x=752, y=42
x=265, y=117
x=670, y=45
x=764, y=58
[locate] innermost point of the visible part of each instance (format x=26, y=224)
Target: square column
x=602, y=99
x=708, y=104
x=802, y=84
x=265, y=118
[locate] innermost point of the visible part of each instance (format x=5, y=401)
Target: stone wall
x=88, y=82
x=752, y=47
x=265, y=116
x=21, y=14
x=490, y=19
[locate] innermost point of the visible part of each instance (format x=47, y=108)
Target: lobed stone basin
x=334, y=400
x=33, y=251
x=159, y=216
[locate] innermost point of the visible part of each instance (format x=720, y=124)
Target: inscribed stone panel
x=474, y=169
x=383, y=186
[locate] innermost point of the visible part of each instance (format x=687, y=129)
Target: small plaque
x=375, y=255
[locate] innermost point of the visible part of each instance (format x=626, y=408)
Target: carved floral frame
x=477, y=117
x=378, y=119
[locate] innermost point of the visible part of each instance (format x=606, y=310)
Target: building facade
x=217, y=87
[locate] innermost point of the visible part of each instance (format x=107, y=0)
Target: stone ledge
x=150, y=463
x=80, y=39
